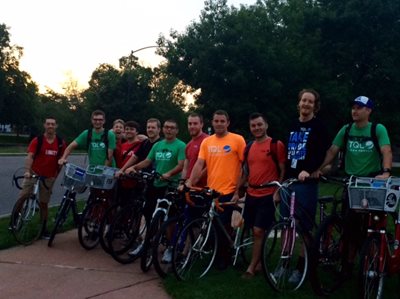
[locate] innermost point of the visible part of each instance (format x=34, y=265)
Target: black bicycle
x=74, y=182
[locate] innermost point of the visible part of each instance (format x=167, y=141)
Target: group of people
x=223, y=161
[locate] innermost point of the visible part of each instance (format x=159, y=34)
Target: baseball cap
x=363, y=101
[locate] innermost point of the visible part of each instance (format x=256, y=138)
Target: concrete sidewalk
x=68, y=271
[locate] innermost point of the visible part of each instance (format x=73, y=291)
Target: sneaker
x=136, y=250
x=279, y=272
x=167, y=256
x=295, y=277
x=45, y=235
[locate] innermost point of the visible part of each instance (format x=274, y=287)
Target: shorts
x=305, y=206
x=226, y=215
x=259, y=211
x=45, y=190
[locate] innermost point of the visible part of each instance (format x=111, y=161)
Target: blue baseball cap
x=363, y=101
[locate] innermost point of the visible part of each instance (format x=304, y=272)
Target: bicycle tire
x=104, y=235
x=327, y=256
x=246, y=244
x=125, y=232
x=279, y=261
x=195, y=250
x=146, y=258
x=61, y=216
x=162, y=244
x=370, y=279
x=26, y=223
x=89, y=226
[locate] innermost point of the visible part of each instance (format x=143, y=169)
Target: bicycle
x=101, y=180
x=74, y=182
x=196, y=246
x=329, y=249
x=166, y=237
x=168, y=206
x=125, y=232
x=26, y=222
x=286, y=245
x=377, y=198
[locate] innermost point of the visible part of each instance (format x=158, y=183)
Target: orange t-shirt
x=262, y=167
x=223, y=157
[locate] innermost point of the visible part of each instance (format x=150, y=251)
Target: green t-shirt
x=97, y=148
x=361, y=157
x=166, y=155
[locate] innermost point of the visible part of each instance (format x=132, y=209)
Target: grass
x=7, y=239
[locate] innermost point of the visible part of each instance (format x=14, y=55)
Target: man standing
x=195, y=127
x=43, y=154
x=99, y=143
x=264, y=162
x=367, y=153
x=222, y=154
x=153, y=129
x=168, y=156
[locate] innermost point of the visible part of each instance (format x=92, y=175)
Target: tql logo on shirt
x=217, y=150
x=163, y=155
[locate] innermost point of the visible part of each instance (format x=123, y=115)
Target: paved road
x=9, y=193
x=69, y=271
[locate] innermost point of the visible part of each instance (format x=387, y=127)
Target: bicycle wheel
x=284, y=257
x=26, y=222
x=163, y=245
x=89, y=226
x=370, y=276
x=126, y=233
x=61, y=216
x=146, y=258
x=104, y=231
x=195, y=249
x=246, y=244
x=327, y=256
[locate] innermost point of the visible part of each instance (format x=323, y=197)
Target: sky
x=66, y=40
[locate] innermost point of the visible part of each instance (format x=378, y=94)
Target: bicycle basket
x=100, y=177
x=367, y=194
x=74, y=178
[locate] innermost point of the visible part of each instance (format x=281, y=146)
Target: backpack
x=40, y=143
x=374, y=138
x=273, y=151
x=104, y=138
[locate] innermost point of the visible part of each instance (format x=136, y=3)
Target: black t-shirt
x=306, y=146
x=144, y=151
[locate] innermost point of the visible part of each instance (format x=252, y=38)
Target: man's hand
x=118, y=173
x=303, y=175
x=235, y=197
x=384, y=175
x=62, y=161
x=27, y=174
x=130, y=170
x=166, y=176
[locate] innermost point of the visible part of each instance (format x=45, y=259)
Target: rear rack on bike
x=367, y=194
x=100, y=176
x=74, y=178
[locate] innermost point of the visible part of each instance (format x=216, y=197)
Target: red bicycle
x=380, y=254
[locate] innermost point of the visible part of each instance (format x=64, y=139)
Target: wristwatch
x=387, y=170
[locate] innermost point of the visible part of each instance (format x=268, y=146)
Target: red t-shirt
x=192, y=152
x=127, y=151
x=262, y=167
x=46, y=162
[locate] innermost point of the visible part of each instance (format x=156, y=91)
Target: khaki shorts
x=44, y=193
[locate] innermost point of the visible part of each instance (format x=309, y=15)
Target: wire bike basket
x=74, y=178
x=366, y=194
x=100, y=176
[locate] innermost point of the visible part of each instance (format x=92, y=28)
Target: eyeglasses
x=169, y=127
x=98, y=119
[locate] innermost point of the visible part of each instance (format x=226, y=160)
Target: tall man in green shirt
x=101, y=145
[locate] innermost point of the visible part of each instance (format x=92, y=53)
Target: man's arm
x=184, y=169
x=387, y=158
x=73, y=145
x=196, y=172
x=177, y=169
x=145, y=163
x=28, y=165
x=282, y=169
x=110, y=153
